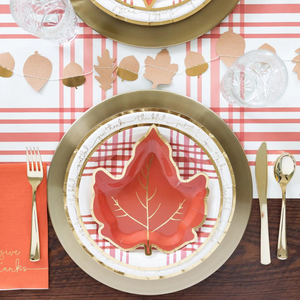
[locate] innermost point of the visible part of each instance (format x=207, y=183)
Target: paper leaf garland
x=296, y=60
x=73, y=75
x=128, y=68
x=230, y=44
x=105, y=69
x=267, y=47
x=160, y=70
x=37, y=71
x=7, y=65
x=195, y=64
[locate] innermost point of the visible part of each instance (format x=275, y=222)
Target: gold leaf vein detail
x=171, y=218
x=126, y=214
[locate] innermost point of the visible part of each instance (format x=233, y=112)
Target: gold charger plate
x=160, y=100
x=154, y=36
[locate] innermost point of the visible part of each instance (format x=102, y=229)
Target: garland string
x=143, y=66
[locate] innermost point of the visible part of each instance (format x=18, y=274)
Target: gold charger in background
x=160, y=100
x=154, y=36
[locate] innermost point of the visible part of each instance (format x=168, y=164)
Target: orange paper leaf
x=7, y=65
x=195, y=64
x=267, y=47
x=296, y=60
x=149, y=205
x=128, y=68
x=160, y=70
x=230, y=44
x=105, y=69
x=73, y=75
x=37, y=71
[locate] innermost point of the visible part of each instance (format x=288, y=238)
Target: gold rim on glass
x=161, y=100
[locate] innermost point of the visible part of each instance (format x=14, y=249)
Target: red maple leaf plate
x=149, y=205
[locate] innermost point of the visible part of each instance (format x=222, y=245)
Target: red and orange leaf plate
x=149, y=205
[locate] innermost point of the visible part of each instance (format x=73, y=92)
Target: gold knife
x=261, y=175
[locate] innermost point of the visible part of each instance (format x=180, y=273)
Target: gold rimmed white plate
x=165, y=101
x=154, y=36
x=159, y=12
x=191, y=142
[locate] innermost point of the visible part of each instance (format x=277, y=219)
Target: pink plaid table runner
x=40, y=119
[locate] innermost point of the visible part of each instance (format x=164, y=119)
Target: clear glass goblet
x=52, y=20
x=257, y=79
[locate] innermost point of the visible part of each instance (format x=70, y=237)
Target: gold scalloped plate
x=141, y=100
x=154, y=36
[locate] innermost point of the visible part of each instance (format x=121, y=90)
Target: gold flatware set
x=284, y=168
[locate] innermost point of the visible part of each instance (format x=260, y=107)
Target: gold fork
x=35, y=176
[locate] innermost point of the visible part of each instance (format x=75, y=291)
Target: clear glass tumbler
x=257, y=79
x=52, y=20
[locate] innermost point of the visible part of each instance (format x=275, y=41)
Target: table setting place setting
x=149, y=142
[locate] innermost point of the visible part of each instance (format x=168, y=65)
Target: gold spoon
x=284, y=169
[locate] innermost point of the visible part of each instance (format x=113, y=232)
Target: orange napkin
x=16, y=270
